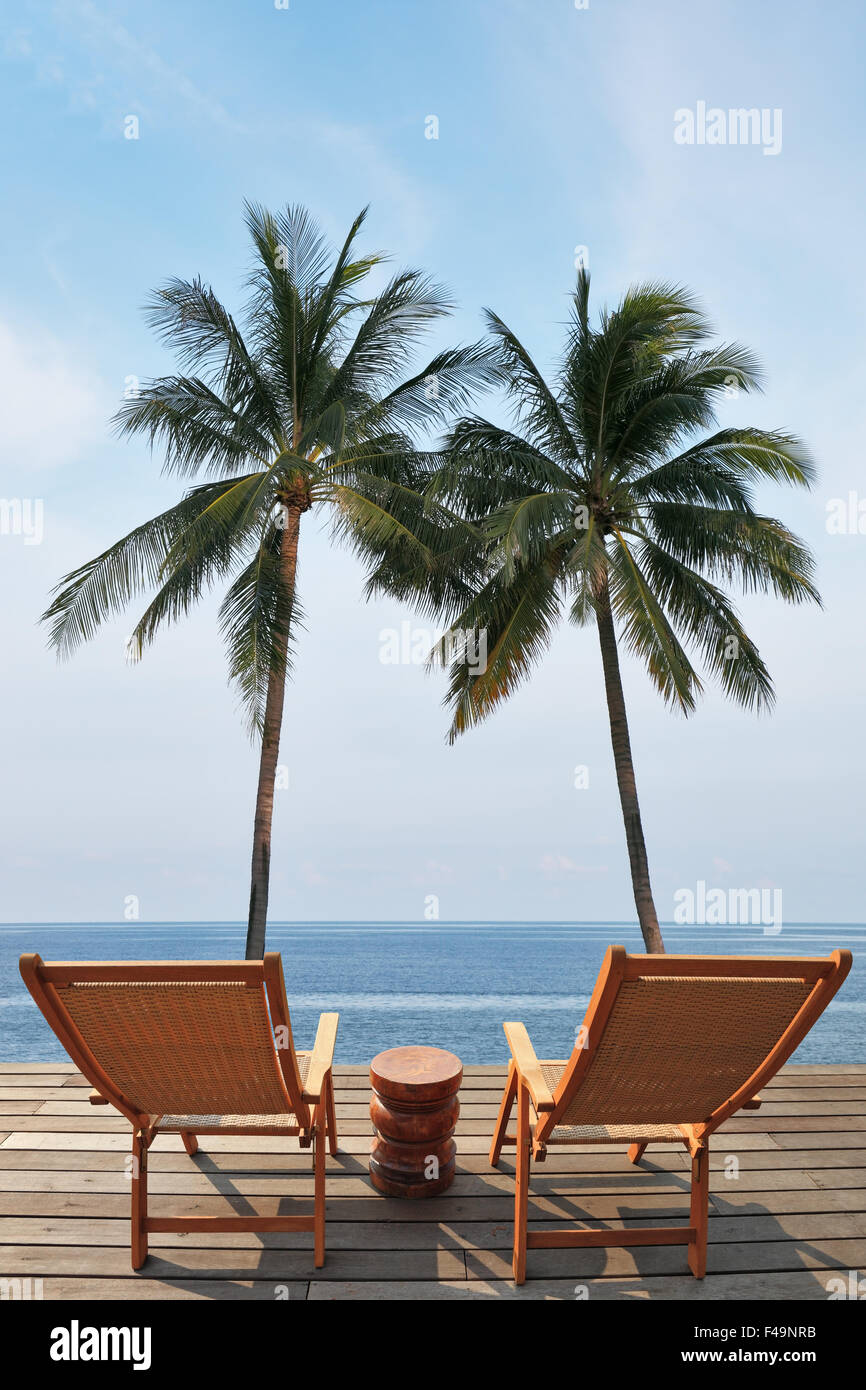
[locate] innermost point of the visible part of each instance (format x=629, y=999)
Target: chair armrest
x=528, y=1066
x=323, y=1056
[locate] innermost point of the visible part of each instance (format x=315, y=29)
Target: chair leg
x=521, y=1186
x=504, y=1114
x=319, y=1186
x=699, y=1212
x=139, y=1200
x=636, y=1152
x=332, y=1114
x=190, y=1143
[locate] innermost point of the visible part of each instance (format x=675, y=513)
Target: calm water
x=447, y=984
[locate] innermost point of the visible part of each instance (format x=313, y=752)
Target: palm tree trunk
x=261, y=865
x=646, y=911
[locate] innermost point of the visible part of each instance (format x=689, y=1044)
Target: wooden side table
x=414, y=1109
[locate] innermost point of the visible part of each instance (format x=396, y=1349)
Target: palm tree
x=603, y=498
x=307, y=409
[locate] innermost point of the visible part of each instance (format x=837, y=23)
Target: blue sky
x=556, y=130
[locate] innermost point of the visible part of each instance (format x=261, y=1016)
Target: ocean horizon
x=448, y=984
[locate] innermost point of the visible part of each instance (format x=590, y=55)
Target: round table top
x=420, y=1073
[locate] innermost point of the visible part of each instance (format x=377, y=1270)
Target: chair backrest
x=687, y=1039
x=175, y=1037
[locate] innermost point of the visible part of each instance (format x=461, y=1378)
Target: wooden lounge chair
x=670, y=1047
x=194, y=1047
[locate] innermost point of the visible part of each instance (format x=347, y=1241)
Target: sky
x=129, y=789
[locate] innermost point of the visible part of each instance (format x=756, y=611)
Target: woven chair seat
x=615, y=1134
x=204, y=1124
x=605, y=1134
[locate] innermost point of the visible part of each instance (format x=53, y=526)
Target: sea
x=445, y=984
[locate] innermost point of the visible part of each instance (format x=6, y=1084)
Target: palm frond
x=515, y=620
x=523, y=532
x=197, y=430
x=254, y=614
x=189, y=318
x=101, y=588
x=707, y=617
x=646, y=631
x=536, y=407
x=447, y=384
x=669, y=403
x=748, y=455
x=758, y=551
x=651, y=324
x=385, y=339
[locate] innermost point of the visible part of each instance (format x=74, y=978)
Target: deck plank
x=133, y=1286
x=360, y=1207
x=55, y=1133
x=747, y=1257
x=272, y=1264
x=799, y=1284
x=87, y=1233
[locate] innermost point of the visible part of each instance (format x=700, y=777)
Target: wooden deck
x=787, y=1209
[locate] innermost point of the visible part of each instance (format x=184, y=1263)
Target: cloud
x=556, y=864
x=17, y=44
x=52, y=409
x=127, y=76
x=311, y=876
x=140, y=60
